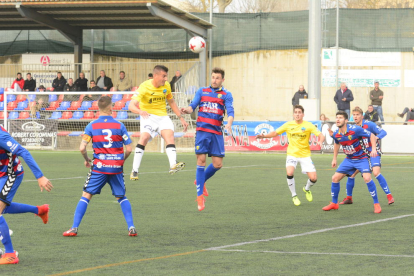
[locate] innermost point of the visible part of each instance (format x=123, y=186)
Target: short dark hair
x=298, y=106
x=150, y=75
x=92, y=81
x=19, y=74
x=122, y=72
x=29, y=74
x=342, y=113
x=158, y=68
x=217, y=70
x=104, y=102
x=59, y=73
x=70, y=79
x=370, y=105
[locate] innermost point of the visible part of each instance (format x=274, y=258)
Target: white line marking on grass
x=309, y=233
x=317, y=253
x=75, y=177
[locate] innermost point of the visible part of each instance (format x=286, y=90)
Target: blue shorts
x=95, y=182
x=376, y=161
x=209, y=143
x=9, y=186
x=349, y=166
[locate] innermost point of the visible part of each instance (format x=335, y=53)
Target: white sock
x=139, y=153
x=292, y=187
x=172, y=155
x=309, y=184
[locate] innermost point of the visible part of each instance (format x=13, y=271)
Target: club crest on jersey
x=350, y=137
x=219, y=96
x=303, y=129
x=105, y=120
x=164, y=91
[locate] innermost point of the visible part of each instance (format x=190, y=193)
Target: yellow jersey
x=298, y=135
x=152, y=99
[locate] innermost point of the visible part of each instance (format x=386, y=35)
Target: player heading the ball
x=108, y=138
x=150, y=103
x=298, y=151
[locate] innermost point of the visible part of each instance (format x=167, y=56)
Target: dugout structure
x=70, y=18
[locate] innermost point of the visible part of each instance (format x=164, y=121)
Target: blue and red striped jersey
x=351, y=141
x=378, y=131
x=10, y=149
x=108, y=139
x=213, y=104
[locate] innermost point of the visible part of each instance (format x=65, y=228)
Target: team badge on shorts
x=198, y=147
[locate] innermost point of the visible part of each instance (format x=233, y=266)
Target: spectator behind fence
x=104, y=82
x=82, y=82
x=123, y=83
x=371, y=115
x=376, y=96
x=29, y=83
x=70, y=86
x=59, y=83
x=174, y=80
x=323, y=118
x=409, y=112
x=93, y=88
x=300, y=94
x=343, y=99
x=18, y=83
x=42, y=101
x=150, y=76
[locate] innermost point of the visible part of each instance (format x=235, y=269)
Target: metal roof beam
x=74, y=34
x=176, y=20
x=93, y=8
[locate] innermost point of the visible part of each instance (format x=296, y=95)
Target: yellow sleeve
x=315, y=130
x=282, y=129
x=138, y=94
x=169, y=95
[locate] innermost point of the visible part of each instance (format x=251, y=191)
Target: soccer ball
x=197, y=44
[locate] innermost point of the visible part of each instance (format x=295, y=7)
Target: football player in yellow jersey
x=298, y=132
x=152, y=96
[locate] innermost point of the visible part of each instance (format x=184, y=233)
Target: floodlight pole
x=210, y=39
x=314, y=53
x=92, y=50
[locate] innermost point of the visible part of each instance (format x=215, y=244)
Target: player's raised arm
x=268, y=135
x=177, y=112
x=194, y=103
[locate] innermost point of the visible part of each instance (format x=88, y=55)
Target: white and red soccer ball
x=197, y=44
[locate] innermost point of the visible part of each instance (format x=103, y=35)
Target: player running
x=108, y=139
x=298, y=151
x=375, y=161
x=152, y=108
x=11, y=175
x=350, y=137
x=213, y=102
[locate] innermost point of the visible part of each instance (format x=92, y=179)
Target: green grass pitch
x=249, y=201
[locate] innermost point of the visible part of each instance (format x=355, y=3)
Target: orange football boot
x=347, y=200
x=43, y=212
x=72, y=232
x=9, y=258
x=331, y=206
x=200, y=202
x=377, y=208
x=205, y=192
x=390, y=199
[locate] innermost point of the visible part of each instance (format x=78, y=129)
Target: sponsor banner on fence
x=244, y=137
x=328, y=144
x=34, y=133
x=362, y=78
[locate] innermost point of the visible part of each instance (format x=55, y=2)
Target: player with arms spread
x=108, y=138
x=213, y=101
x=350, y=137
x=11, y=175
x=298, y=151
x=375, y=161
x=152, y=95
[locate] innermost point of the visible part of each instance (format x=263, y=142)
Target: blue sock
x=210, y=171
x=350, y=186
x=200, y=179
x=335, y=191
x=373, y=191
x=5, y=234
x=127, y=210
x=18, y=208
x=80, y=211
x=383, y=184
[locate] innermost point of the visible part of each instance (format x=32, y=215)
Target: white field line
x=309, y=233
x=317, y=253
x=160, y=172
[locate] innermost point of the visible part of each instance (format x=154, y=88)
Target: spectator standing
x=376, y=96
x=174, y=80
x=371, y=115
x=18, y=83
x=59, y=83
x=409, y=112
x=104, y=82
x=123, y=83
x=343, y=99
x=82, y=82
x=300, y=94
x=29, y=83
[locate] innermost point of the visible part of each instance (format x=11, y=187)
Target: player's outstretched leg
x=292, y=188
x=200, y=180
x=175, y=166
x=79, y=213
x=307, y=190
x=19, y=208
x=208, y=173
x=384, y=185
x=10, y=256
x=335, y=188
x=127, y=211
x=139, y=153
x=349, y=189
